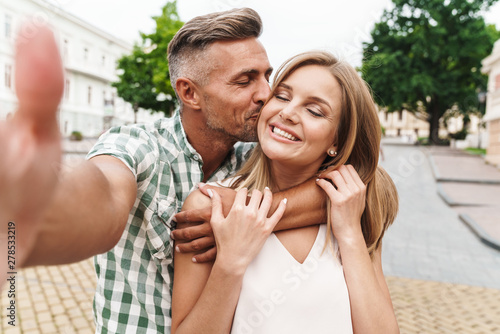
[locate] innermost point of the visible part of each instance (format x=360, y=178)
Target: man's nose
x=263, y=91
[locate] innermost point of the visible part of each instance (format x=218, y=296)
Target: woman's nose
x=289, y=113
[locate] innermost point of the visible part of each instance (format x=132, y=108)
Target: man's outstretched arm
x=88, y=213
x=57, y=218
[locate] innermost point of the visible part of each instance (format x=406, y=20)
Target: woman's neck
x=286, y=176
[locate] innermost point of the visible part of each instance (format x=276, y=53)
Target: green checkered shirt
x=134, y=279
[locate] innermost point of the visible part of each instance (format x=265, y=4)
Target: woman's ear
x=188, y=93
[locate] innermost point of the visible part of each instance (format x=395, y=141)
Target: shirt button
x=196, y=157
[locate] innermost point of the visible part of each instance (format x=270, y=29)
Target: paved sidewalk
x=55, y=299
x=472, y=188
x=58, y=299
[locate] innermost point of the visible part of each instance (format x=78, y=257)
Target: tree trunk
x=435, y=114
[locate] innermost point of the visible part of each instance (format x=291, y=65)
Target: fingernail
x=193, y=259
x=267, y=188
x=177, y=249
x=210, y=193
x=201, y=185
x=172, y=236
x=285, y=200
x=317, y=180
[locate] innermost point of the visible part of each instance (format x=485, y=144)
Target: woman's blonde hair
x=358, y=143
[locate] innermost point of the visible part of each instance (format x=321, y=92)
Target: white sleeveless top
x=281, y=295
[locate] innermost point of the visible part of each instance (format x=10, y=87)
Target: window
x=66, y=89
x=8, y=26
x=89, y=95
x=8, y=76
x=400, y=115
x=66, y=48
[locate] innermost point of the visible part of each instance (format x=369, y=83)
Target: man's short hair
x=186, y=50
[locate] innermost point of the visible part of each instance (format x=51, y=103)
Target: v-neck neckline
x=321, y=226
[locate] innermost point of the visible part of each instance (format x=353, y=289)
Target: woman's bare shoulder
x=196, y=200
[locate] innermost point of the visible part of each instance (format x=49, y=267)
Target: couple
x=316, y=279
x=119, y=204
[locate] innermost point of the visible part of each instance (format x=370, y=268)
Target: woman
x=317, y=279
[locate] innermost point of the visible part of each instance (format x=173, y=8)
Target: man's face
x=237, y=88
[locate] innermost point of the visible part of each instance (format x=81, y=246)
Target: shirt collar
x=182, y=138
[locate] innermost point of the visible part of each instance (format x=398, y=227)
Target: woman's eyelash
x=314, y=113
x=280, y=97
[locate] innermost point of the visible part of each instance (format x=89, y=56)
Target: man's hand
x=30, y=147
x=194, y=233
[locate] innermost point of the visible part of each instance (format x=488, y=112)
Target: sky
x=290, y=26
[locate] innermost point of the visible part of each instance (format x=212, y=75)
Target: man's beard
x=248, y=133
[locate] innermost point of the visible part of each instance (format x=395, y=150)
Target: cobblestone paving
x=55, y=299
x=428, y=307
x=58, y=299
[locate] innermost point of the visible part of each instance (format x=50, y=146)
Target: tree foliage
x=144, y=79
x=426, y=57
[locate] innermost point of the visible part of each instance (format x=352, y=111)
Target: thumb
x=39, y=75
x=216, y=206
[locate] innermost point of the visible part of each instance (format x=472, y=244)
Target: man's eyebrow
x=252, y=71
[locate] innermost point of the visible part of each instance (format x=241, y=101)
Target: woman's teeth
x=284, y=134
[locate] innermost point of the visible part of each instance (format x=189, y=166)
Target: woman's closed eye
x=282, y=97
x=315, y=113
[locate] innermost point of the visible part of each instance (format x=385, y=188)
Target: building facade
x=406, y=125
x=491, y=66
x=89, y=104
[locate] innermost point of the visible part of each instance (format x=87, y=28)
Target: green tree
x=426, y=57
x=144, y=79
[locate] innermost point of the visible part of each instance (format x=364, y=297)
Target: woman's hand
x=347, y=195
x=240, y=236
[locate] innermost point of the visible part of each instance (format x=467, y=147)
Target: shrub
x=76, y=135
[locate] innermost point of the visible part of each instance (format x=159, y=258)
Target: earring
x=332, y=153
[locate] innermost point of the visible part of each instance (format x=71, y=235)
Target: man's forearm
x=86, y=217
x=306, y=206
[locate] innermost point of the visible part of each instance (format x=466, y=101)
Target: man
x=119, y=204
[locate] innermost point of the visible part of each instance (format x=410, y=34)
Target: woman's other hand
x=347, y=194
x=240, y=236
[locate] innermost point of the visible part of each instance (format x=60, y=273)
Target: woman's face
x=298, y=124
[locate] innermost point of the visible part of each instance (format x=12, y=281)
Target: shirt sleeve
x=242, y=152
x=133, y=145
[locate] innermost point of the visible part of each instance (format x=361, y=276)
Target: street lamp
x=481, y=98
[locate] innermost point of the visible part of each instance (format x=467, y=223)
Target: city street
x=428, y=241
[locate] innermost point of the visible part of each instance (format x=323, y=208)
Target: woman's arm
x=371, y=305
x=205, y=295
x=191, y=310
